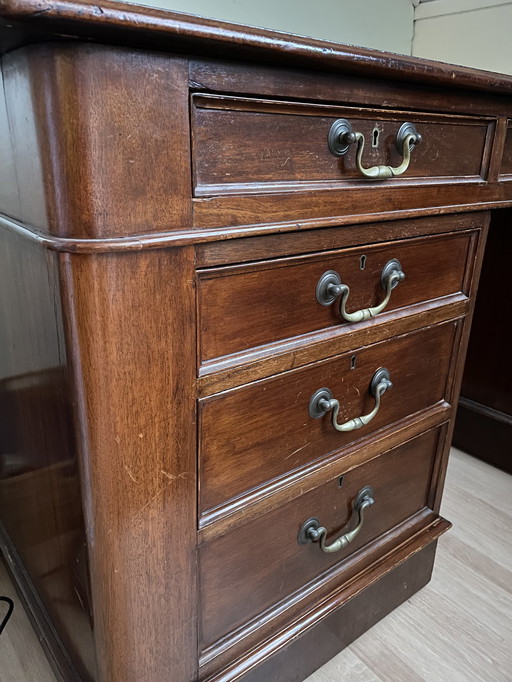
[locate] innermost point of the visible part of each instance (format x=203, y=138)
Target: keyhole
x=353, y=362
x=340, y=481
x=362, y=262
x=375, y=137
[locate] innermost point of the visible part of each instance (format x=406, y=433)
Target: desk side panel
x=42, y=528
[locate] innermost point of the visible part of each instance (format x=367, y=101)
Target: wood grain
x=237, y=369
x=458, y=358
x=280, y=80
x=273, y=565
x=359, y=202
x=163, y=29
x=260, y=432
x=91, y=126
x=395, y=648
x=243, y=249
x=97, y=147
x=264, y=302
x=138, y=477
x=221, y=520
x=295, y=144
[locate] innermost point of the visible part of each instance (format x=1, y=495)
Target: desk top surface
x=27, y=21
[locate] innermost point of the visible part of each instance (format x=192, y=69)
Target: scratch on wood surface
x=154, y=497
x=295, y=451
x=173, y=477
x=283, y=576
x=130, y=474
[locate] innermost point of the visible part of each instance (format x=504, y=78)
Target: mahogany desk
x=237, y=275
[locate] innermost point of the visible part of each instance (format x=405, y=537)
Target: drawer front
x=252, y=435
x=243, y=307
x=253, y=567
x=244, y=145
x=506, y=163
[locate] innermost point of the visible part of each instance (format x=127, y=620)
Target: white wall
x=381, y=24
x=470, y=32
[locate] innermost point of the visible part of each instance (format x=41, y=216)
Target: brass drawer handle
x=341, y=136
x=312, y=531
x=329, y=287
x=322, y=402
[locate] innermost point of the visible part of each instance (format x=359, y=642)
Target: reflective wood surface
x=471, y=560
x=130, y=452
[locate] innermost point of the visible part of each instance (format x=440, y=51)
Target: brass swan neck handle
x=322, y=402
x=330, y=287
x=312, y=531
x=341, y=137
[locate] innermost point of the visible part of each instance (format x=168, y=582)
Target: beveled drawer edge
x=282, y=260
x=305, y=186
x=232, y=102
x=248, y=366
x=220, y=520
x=426, y=528
x=265, y=247
x=323, y=206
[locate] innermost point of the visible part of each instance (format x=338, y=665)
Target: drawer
x=260, y=563
x=246, y=306
x=243, y=145
x=253, y=435
x=506, y=163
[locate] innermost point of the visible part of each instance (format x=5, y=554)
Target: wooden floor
x=457, y=629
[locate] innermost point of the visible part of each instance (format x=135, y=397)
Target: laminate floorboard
x=21, y=657
x=457, y=629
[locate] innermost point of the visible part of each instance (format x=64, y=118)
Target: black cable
x=8, y=614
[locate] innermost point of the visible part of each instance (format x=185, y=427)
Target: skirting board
x=484, y=433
